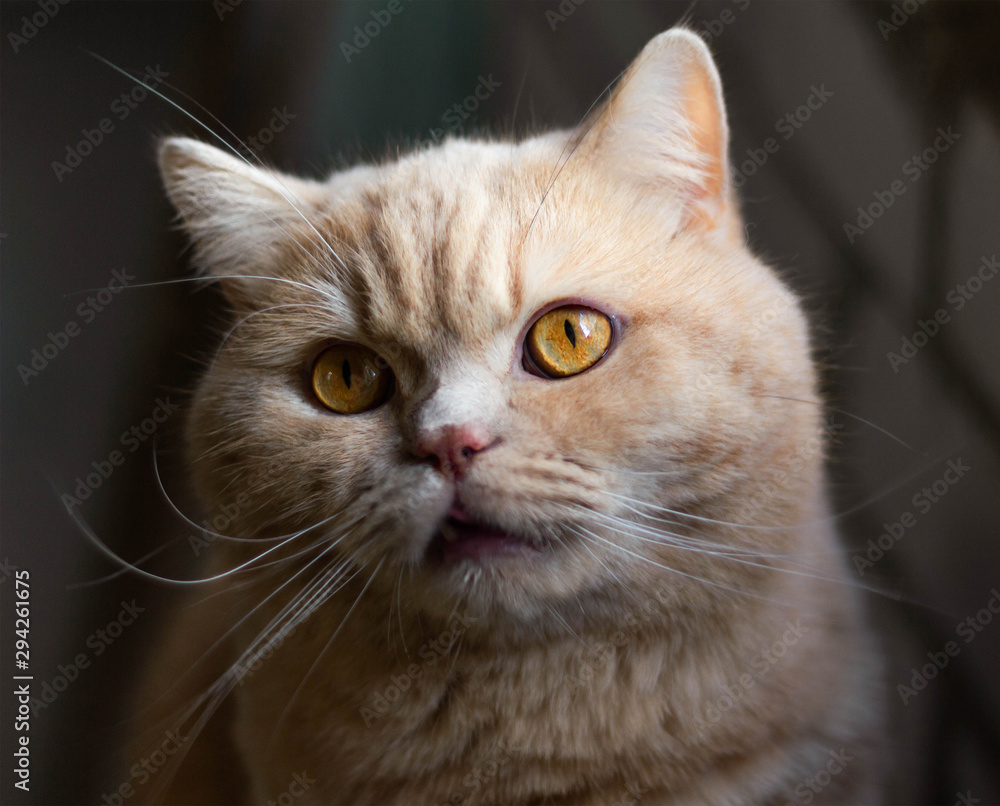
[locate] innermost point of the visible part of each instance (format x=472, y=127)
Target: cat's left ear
x=239, y=216
x=665, y=129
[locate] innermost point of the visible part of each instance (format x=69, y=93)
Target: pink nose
x=452, y=447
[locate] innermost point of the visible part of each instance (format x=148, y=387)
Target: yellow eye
x=568, y=340
x=350, y=379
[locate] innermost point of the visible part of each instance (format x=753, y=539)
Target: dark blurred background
x=883, y=79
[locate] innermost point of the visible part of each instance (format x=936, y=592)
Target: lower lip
x=477, y=545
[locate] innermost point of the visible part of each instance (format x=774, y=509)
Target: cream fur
x=707, y=406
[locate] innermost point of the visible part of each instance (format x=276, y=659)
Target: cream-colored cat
x=520, y=456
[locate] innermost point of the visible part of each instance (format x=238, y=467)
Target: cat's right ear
x=664, y=129
x=238, y=215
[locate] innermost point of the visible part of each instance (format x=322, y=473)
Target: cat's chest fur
x=650, y=710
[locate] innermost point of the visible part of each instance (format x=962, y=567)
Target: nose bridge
x=458, y=420
x=465, y=395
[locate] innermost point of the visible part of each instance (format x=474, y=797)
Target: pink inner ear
x=709, y=201
x=701, y=108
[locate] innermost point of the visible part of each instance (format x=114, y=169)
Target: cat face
x=506, y=372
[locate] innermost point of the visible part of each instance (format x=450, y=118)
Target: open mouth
x=461, y=537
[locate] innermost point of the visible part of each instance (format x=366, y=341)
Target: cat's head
x=476, y=368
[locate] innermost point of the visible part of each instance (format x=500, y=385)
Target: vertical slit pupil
x=570, y=333
x=346, y=371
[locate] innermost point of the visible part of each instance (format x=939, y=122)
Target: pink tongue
x=474, y=543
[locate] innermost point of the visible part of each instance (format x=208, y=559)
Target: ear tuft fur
x=238, y=215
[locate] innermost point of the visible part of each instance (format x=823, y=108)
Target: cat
x=519, y=453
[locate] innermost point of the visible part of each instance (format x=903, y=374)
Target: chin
x=511, y=582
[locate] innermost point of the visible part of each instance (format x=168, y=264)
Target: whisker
x=399, y=609
x=585, y=532
x=114, y=557
x=252, y=153
x=788, y=559
x=213, y=697
x=617, y=578
x=762, y=527
x=260, y=311
x=222, y=140
x=198, y=526
x=208, y=112
x=843, y=413
x=691, y=544
x=739, y=557
x=565, y=624
x=208, y=281
x=121, y=571
x=576, y=142
x=319, y=657
x=257, y=607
